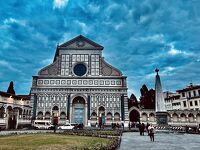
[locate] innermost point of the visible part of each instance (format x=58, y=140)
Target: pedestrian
x=151, y=132
x=129, y=126
x=103, y=125
x=140, y=128
x=123, y=125
x=100, y=124
x=186, y=129
x=143, y=128
x=147, y=126
x=55, y=128
x=117, y=125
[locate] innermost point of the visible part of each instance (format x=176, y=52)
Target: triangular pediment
x=81, y=42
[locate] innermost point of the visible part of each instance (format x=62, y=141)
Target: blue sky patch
x=138, y=36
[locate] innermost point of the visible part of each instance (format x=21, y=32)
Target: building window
x=94, y=64
x=191, y=103
x=183, y=94
x=80, y=69
x=184, y=103
x=199, y=92
x=65, y=65
x=189, y=94
x=195, y=102
x=194, y=93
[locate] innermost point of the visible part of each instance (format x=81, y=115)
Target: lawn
x=49, y=142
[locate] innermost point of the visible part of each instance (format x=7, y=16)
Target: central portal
x=78, y=110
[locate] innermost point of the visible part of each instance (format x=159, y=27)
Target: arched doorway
x=109, y=118
x=191, y=117
x=152, y=117
x=117, y=117
x=144, y=117
x=40, y=115
x=47, y=115
x=2, y=112
x=20, y=112
x=24, y=114
x=63, y=116
x=175, y=117
x=11, y=118
x=94, y=117
x=55, y=111
x=183, y=117
x=134, y=116
x=198, y=118
x=78, y=110
x=101, y=115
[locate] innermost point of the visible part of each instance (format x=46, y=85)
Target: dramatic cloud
x=138, y=36
x=59, y=3
x=14, y=21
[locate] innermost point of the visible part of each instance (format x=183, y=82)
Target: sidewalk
x=163, y=141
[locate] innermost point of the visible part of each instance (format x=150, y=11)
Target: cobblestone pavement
x=163, y=141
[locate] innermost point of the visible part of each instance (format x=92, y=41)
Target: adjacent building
x=187, y=98
x=80, y=86
x=183, y=108
x=15, y=111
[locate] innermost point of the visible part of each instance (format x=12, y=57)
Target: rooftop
x=17, y=97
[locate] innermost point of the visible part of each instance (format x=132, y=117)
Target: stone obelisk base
x=161, y=118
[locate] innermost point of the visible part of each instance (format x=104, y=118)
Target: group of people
x=113, y=125
x=149, y=128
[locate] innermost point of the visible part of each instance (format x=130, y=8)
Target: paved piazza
x=163, y=141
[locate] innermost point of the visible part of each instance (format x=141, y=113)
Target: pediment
x=80, y=42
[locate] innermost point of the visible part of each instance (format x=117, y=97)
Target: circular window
x=80, y=69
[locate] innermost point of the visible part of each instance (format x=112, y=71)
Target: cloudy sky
x=137, y=35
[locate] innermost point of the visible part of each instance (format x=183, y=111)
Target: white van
x=42, y=124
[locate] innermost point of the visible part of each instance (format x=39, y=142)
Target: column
x=85, y=116
x=34, y=99
x=88, y=110
x=122, y=107
x=17, y=119
x=68, y=107
x=88, y=105
x=6, y=117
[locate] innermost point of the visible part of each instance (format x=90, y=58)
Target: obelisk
x=161, y=113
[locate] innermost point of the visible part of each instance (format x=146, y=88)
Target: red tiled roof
x=18, y=97
x=188, y=88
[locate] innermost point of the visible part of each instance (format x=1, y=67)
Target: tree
x=11, y=88
x=132, y=101
x=143, y=90
x=133, y=97
x=147, y=99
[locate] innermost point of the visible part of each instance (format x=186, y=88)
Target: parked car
x=42, y=124
x=79, y=126
x=67, y=126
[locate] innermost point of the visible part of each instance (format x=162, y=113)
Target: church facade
x=80, y=87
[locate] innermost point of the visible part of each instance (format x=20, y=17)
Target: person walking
x=151, y=132
x=122, y=125
x=140, y=128
x=129, y=126
x=147, y=126
x=143, y=128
